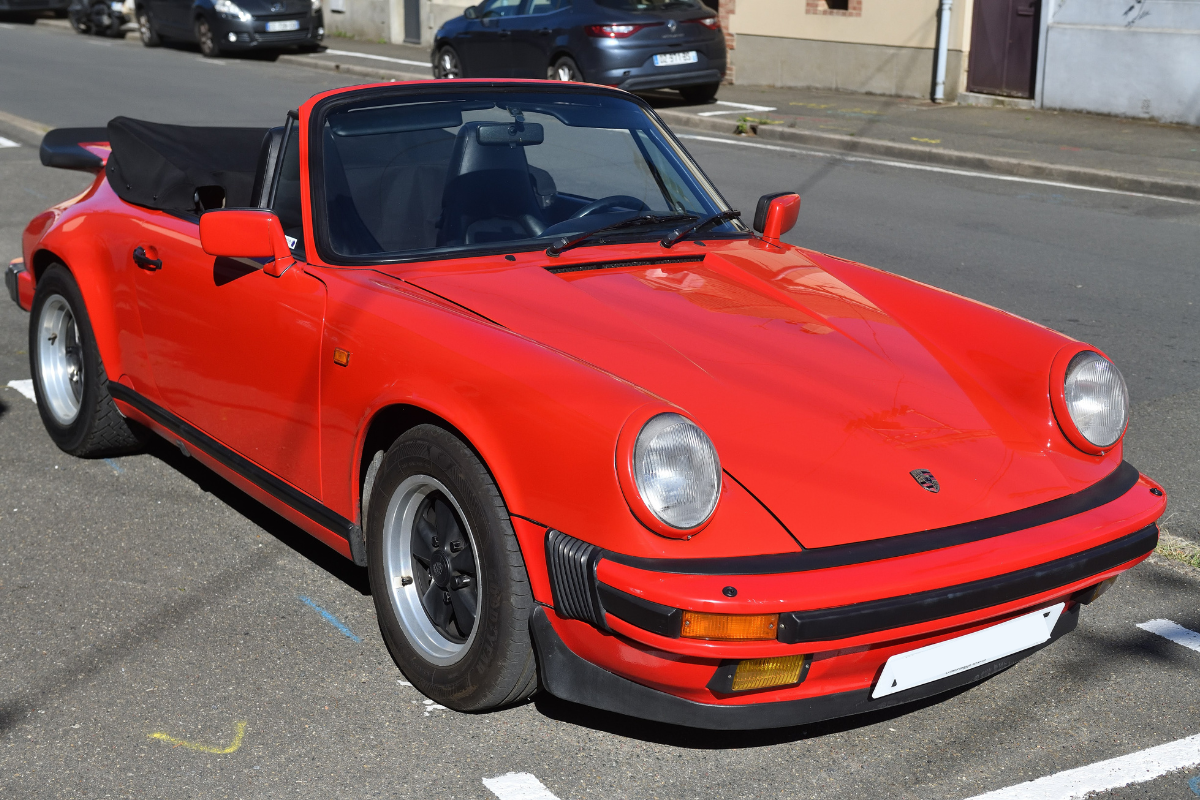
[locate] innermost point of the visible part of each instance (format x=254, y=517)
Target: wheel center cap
x=439, y=570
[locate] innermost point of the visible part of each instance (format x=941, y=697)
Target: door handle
x=1025, y=11
x=145, y=261
x=506, y=33
x=544, y=32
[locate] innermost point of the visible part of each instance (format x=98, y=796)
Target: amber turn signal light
x=763, y=673
x=729, y=627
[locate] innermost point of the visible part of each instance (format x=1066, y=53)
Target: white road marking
x=24, y=387
x=8, y=142
x=736, y=108
x=518, y=786
x=374, y=57
x=1173, y=631
x=926, y=168
x=1139, y=767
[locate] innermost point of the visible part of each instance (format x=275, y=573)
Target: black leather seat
x=489, y=194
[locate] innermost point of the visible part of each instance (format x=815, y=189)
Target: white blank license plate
x=941, y=660
x=671, y=59
x=285, y=25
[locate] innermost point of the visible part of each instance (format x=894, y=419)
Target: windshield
x=420, y=174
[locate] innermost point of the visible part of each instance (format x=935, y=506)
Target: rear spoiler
x=84, y=149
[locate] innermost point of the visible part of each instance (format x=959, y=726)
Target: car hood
x=819, y=401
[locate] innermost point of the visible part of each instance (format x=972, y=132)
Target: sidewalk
x=1108, y=152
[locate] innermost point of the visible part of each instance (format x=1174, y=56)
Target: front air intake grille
x=572, y=567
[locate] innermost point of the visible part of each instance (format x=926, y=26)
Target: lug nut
x=460, y=582
x=456, y=547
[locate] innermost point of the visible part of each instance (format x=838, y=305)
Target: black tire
x=702, y=93
x=564, y=69
x=98, y=429
x=495, y=666
x=447, y=65
x=80, y=18
x=146, y=30
x=105, y=22
x=206, y=39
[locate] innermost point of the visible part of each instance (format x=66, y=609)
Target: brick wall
x=853, y=8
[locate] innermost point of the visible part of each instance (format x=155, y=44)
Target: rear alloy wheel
x=703, y=93
x=69, y=381
x=208, y=42
x=450, y=588
x=447, y=65
x=146, y=30
x=564, y=69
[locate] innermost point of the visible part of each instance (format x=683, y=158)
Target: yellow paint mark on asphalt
x=234, y=745
x=927, y=141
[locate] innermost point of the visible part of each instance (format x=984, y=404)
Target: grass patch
x=750, y=124
x=1177, y=549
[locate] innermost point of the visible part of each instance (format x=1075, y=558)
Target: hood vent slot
x=633, y=262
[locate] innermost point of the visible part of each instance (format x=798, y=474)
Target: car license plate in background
x=941, y=660
x=671, y=59
x=284, y=25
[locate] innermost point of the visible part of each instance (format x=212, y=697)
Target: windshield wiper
x=567, y=242
x=679, y=234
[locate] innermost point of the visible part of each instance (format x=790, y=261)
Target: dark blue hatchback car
x=629, y=44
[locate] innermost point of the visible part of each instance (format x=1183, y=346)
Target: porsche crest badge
x=925, y=478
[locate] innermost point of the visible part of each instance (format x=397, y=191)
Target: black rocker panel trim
x=644, y=614
x=893, y=612
x=569, y=677
x=318, y=513
x=1104, y=491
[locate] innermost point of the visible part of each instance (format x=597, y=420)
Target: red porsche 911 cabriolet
x=505, y=345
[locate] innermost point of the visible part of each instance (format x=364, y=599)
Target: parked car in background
x=29, y=10
x=100, y=17
x=222, y=26
x=629, y=44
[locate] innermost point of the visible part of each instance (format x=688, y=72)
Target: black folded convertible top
x=163, y=166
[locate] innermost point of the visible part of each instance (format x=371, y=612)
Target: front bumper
x=846, y=609
x=253, y=35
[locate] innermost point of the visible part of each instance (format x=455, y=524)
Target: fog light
x=762, y=673
x=320, y=32
x=233, y=37
x=729, y=627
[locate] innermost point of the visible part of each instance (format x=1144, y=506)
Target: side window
x=541, y=6
x=499, y=8
x=285, y=196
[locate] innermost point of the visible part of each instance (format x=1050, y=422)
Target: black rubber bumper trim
x=569, y=677
x=12, y=275
x=644, y=614
x=322, y=515
x=894, y=612
x=1104, y=491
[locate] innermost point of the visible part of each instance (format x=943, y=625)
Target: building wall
x=876, y=46
x=362, y=19
x=1135, y=58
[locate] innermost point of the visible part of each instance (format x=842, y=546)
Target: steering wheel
x=612, y=201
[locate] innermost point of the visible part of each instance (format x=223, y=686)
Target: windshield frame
x=316, y=173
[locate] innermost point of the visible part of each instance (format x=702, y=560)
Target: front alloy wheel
x=208, y=42
x=564, y=69
x=146, y=29
x=450, y=588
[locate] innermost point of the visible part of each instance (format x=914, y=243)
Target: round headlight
x=676, y=470
x=1097, y=399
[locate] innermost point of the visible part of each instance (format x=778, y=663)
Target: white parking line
x=8, y=142
x=926, y=168
x=518, y=786
x=1173, y=631
x=1139, y=767
x=25, y=387
x=736, y=108
x=374, y=57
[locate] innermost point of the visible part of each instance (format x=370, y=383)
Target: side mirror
x=471, y=12
x=246, y=233
x=776, y=215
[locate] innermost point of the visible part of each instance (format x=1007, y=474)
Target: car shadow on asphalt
x=299, y=540
x=704, y=739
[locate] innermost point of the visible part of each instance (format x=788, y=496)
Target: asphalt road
x=144, y=596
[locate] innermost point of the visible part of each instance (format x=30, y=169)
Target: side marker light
x=341, y=357
x=763, y=673
x=729, y=627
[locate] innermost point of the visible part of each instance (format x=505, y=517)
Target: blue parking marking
x=330, y=618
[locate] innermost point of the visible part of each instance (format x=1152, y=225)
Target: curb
x=981, y=162
x=312, y=62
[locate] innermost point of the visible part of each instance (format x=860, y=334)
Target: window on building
x=834, y=8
